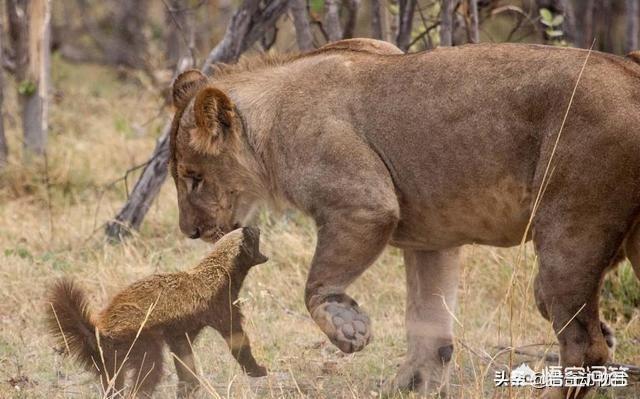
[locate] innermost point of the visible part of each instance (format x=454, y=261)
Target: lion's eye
x=193, y=182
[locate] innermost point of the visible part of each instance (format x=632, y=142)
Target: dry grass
x=101, y=126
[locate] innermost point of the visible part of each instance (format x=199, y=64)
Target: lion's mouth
x=213, y=235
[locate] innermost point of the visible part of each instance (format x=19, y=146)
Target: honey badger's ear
x=186, y=86
x=213, y=112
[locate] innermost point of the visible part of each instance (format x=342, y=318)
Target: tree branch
x=332, y=20
x=352, y=18
x=301, y=23
x=407, y=8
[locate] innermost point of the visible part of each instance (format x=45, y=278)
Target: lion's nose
x=195, y=234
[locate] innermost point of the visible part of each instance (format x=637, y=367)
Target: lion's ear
x=213, y=112
x=186, y=86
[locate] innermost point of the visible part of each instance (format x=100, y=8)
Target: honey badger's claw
x=345, y=324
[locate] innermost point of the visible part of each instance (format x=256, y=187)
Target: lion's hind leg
x=609, y=334
x=432, y=283
x=568, y=288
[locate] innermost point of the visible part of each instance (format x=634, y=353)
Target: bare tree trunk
x=36, y=108
x=570, y=26
x=180, y=36
x=446, y=22
x=633, y=24
x=247, y=25
x=128, y=46
x=301, y=23
x=332, y=20
x=377, y=18
x=475, y=28
x=352, y=18
x=30, y=32
x=4, y=148
x=407, y=8
x=588, y=32
x=607, y=42
x=393, y=22
x=18, y=31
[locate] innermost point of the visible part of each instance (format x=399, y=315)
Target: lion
x=171, y=308
x=426, y=152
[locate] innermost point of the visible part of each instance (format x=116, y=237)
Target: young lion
x=171, y=308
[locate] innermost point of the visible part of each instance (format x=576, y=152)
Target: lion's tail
x=69, y=320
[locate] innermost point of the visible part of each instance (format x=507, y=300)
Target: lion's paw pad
x=347, y=326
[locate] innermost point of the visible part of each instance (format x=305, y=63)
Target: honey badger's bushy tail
x=69, y=320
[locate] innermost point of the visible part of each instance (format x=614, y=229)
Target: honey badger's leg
x=112, y=381
x=348, y=243
x=184, y=363
x=147, y=368
x=239, y=344
x=432, y=283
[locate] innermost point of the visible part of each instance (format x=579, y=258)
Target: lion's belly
x=494, y=215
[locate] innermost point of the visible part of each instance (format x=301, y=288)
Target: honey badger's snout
x=251, y=246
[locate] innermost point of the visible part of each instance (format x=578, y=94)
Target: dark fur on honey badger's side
x=181, y=305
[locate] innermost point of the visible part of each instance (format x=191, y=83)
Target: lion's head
x=210, y=160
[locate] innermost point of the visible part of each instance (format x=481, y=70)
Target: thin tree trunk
x=128, y=46
x=332, y=20
x=633, y=24
x=16, y=10
x=301, y=23
x=475, y=28
x=377, y=18
x=247, y=25
x=570, y=27
x=180, y=37
x=446, y=22
x=4, y=148
x=407, y=8
x=393, y=22
x=608, y=40
x=352, y=18
x=35, y=105
x=588, y=33
x=30, y=31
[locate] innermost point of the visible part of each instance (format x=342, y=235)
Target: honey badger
x=171, y=308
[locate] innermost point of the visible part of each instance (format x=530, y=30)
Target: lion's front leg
x=432, y=282
x=348, y=243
